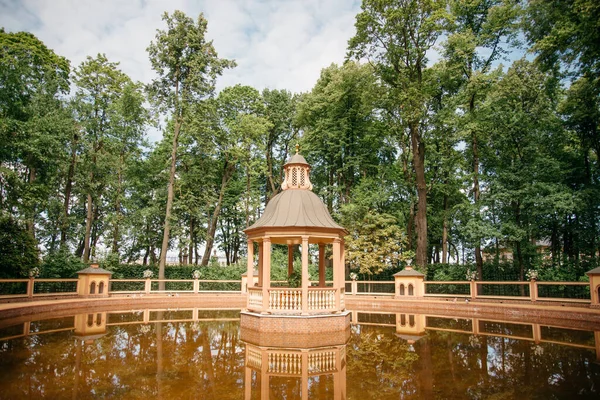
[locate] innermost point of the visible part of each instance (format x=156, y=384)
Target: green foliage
x=18, y=251
x=413, y=157
x=565, y=33
x=61, y=264
x=375, y=244
x=216, y=272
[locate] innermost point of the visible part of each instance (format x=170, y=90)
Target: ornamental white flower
x=34, y=272
x=148, y=274
x=471, y=275
x=196, y=274
x=531, y=274
x=353, y=276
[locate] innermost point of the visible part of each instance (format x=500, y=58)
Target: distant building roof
x=408, y=271
x=595, y=271
x=94, y=271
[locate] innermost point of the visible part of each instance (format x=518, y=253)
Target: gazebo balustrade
x=292, y=301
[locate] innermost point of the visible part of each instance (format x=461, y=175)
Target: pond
x=202, y=354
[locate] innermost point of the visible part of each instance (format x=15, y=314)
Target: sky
x=277, y=44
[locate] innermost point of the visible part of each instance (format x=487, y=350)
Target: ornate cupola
x=296, y=173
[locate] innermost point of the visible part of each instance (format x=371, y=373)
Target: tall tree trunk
x=478, y=258
x=170, y=195
x=88, y=229
x=418, y=148
x=115, y=243
x=270, y=179
x=68, y=188
x=247, y=201
x=212, y=226
x=30, y=223
x=411, y=225
x=191, y=245
x=445, y=231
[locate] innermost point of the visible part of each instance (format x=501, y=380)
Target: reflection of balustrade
x=304, y=364
x=285, y=363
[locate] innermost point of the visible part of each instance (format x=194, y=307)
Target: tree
x=18, y=250
x=479, y=31
x=524, y=160
x=33, y=123
x=237, y=140
x=375, y=244
x=99, y=86
x=566, y=33
x=342, y=134
x=127, y=134
x=187, y=66
x=395, y=36
x=280, y=110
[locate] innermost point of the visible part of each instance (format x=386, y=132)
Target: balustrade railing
x=285, y=363
x=283, y=299
x=290, y=362
x=321, y=299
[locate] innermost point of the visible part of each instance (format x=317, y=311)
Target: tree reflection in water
x=199, y=354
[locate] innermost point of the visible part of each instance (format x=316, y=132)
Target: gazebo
x=296, y=216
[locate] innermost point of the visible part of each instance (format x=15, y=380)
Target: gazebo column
x=266, y=272
x=260, y=264
x=290, y=259
x=305, y=280
x=250, y=269
x=337, y=273
x=321, y=265
x=304, y=366
x=343, y=261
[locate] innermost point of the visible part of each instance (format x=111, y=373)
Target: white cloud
x=276, y=43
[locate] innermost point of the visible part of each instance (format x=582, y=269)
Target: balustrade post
x=197, y=285
x=354, y=286
x=30, y=284
x=473, y=289
x=475, y=323
x=533, y=290
x=537, y=333
x=147, y=286
x=26, y=328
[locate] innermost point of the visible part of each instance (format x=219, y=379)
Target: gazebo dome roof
x=296, y=206
x=296, y=159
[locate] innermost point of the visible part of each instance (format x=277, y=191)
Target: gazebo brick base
x=287, y=324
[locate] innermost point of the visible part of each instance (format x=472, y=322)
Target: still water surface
x=200, y=354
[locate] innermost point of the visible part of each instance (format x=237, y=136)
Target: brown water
x=200, y=355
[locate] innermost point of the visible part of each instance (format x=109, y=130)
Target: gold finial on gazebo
x=297, y=148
